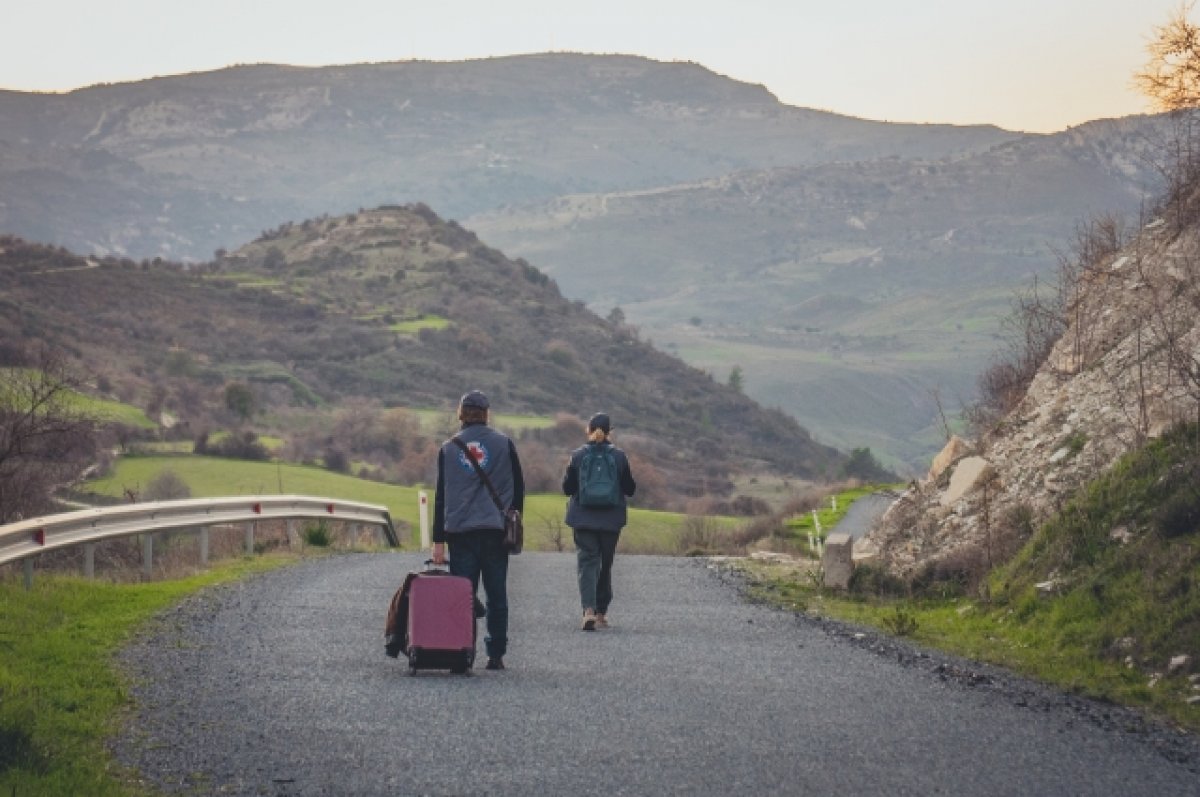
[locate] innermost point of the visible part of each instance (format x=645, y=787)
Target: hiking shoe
x=602, y=621
x=589, y=621
x=494, y=663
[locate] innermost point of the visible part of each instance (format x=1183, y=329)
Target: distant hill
x=394, y=305
x=179, y=166
x=848, y=293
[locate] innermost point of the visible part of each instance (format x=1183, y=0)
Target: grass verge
x=1103, y=600
x=60, y=690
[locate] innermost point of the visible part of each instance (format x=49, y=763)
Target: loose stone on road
x=279, y=686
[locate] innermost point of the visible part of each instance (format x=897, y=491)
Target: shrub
x=901, y=623
x=317, y=534
x=165, y=486
x=874, y=581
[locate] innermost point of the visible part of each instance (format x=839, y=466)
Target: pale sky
x=1034, y=65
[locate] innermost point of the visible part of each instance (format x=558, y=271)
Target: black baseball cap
x=475, y=398
x=599, y=421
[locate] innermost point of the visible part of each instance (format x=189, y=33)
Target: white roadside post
x=423, y=509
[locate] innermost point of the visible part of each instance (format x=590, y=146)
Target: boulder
x=954, y=449
x=969, y=472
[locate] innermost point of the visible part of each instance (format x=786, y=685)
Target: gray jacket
x=462, y=501
x=582, y=517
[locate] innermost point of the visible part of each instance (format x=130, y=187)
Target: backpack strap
x=479, y=469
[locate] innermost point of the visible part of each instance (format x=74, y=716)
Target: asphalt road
x=279, y=686
x=862, y=514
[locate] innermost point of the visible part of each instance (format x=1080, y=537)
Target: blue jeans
x=594, y=553
x=476, y=554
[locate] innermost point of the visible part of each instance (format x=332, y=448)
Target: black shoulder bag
x=514, y=529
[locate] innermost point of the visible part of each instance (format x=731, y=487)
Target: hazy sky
x=1038, y=65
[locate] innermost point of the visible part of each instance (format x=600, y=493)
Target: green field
x=106, y=409
x=435, y=421
x=208, y=477
x=414, y=325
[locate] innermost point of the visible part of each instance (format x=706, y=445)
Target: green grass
x=107, y=410
x=1122, y=609
x=212, y=476
x=116, y=412
x=434, y=420
x=60, y=691
x=414, y=325
x=802, y=525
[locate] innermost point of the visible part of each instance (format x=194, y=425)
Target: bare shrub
x=47, y=439
x=701, y=536
x=166, y=485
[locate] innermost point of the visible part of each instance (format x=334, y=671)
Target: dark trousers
x=594, y=553
x=476, y=554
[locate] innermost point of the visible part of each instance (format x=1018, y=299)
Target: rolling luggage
x=432, y=621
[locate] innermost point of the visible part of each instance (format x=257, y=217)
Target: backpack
x=599, y=480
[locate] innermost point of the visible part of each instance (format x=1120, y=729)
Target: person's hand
x=439, y=553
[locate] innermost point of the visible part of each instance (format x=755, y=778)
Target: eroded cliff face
x=1126, y=369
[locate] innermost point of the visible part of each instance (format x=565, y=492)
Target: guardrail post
x=204, y=545
x=28, y=573
x=148, y=554
x=292, y=536
x=426, y=536
x=89, y=560
x=250, y=537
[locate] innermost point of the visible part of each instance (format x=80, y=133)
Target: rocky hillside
x=1125, y=371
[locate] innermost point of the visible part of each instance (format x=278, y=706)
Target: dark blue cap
x=475, y=398
x=599, y=421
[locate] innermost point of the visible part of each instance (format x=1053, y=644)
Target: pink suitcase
x=441, y=623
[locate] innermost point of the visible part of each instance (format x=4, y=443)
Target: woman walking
x=598, y=481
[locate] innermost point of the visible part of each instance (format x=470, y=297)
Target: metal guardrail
x=31, y=537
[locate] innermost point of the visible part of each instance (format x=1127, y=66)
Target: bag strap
x=479, y=469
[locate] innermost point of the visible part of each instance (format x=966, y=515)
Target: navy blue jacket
x=583, y=517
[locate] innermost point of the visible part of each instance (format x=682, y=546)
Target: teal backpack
x=599, y=481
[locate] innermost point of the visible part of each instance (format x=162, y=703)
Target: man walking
x=467, y=520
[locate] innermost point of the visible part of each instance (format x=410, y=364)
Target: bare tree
x=47, y=437
x=1171, y=77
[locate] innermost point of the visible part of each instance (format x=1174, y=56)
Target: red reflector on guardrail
x=329, y=508
x=257, y=509
x=39, y=536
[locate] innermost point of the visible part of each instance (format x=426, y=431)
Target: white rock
x=1180, y=662
x=1120, y=534
x=1059, y=455
x=1048, y=588
x=967, y=473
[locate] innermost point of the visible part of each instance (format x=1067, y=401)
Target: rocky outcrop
x=1114, y=380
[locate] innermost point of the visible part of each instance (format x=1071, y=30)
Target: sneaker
x=602, y=621
x=494, y=663
x=589, y=621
